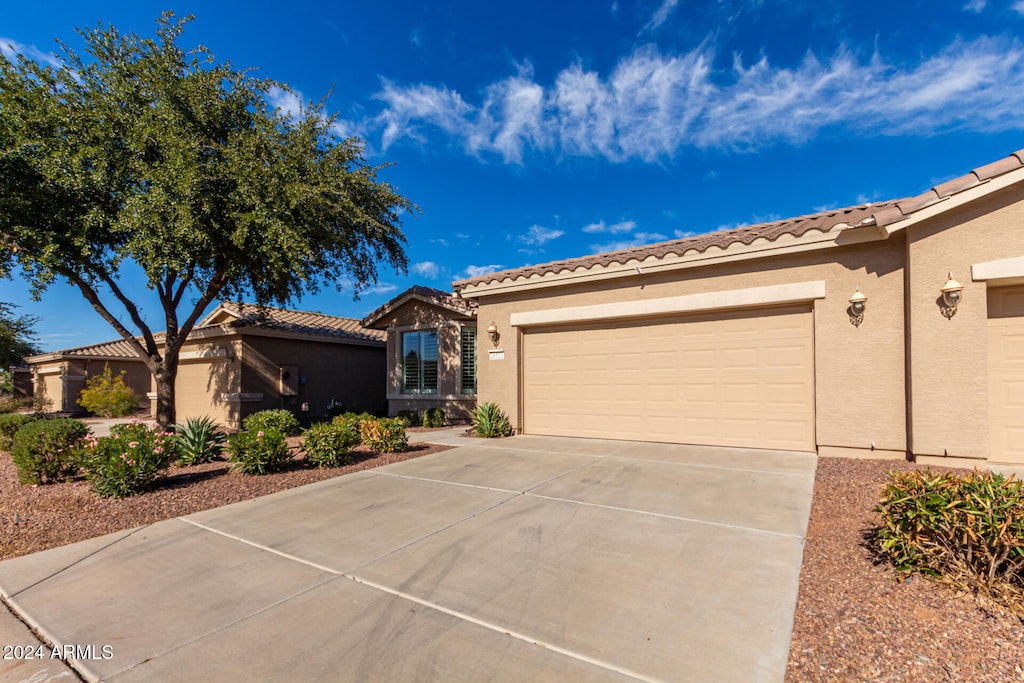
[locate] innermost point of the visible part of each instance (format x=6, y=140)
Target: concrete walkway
x=522, y=559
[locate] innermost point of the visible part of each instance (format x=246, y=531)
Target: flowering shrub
x=45, y=451
x=386, y=435
x=328, y=444
x=258, y=451
x=129, y=461
x=108, y=396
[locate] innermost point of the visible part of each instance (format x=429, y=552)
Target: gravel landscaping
x=853, y=622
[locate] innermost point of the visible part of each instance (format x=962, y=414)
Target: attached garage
x=742, y=378
x=1006, y=372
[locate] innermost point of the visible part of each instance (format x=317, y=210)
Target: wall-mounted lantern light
x=492, y=332
x=858, y=302
x=952, y=293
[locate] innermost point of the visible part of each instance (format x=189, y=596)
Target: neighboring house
x=60, y=376
x=432, y=352
x=755, y=337
x=239, y=360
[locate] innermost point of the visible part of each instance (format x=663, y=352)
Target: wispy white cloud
x=427, y=269
x=473, y=271
x=638, y=239
x=538, y=235
x=653, y=104
x=614, y=228
x=416, y=37
x=440, y=240
x=683, y=234
x=1018, y=7
x=12, y=48
x=662, y=14
x=289, y=102
x=381, y=288
x=976, y=6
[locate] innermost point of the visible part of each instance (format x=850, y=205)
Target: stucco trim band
x=688, y=303
x=1003, y=269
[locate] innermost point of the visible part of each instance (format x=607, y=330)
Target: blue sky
x=528, y=132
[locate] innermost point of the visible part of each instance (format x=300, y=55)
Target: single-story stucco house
x=893, y=329
x=239, y=360
x=432, y=352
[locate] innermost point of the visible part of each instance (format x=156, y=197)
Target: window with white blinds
x=469, y=360
x=419, y=362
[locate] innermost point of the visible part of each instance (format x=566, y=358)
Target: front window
x=419, y=362
x=469, y=360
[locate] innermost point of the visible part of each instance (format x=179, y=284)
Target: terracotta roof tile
x=302, y=322
x=438, y=297
x=882, y=213
x=118, y=348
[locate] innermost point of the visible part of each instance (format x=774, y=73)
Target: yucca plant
x=489, y=421
x=200, y=440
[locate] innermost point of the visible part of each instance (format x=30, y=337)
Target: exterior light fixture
x=492, y=332
x=858, y=302
x=952, y=293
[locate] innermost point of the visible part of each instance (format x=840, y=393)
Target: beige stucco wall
x=62, y=380
x=418, y=315
x=948, y=368
x=353, y=375
x=201, y=384
x=859, y=371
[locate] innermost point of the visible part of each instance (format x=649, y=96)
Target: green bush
x=966, y=531
x=129, y=461
x=329, y=444
x=384, y=435
x=45, y=451
x=8, y=404
x=433, y=417
x=10, y=423
x=490, y=422
x=356, y=420
x=336, y=408
x=281, y=420
x=259, y=451
x=411, y=418
x=199, y=440
x=108, y=396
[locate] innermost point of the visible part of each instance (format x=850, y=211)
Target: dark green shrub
x=356, y=420
x=384, y=435
x=259, y=452
x=199, y=440
x=45, y=451
x=329, y=444
x=433, y=417
x=411, y=418
x=129, y=461
x=490, y=422
x=108, y=396
x=281, y=420
x=10, y=423
x=336, y=408
x=966, y=531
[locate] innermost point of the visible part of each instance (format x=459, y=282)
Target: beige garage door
x=198, y=390
x=731, y=379
x=1006, y=373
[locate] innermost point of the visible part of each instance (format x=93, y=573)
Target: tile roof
x=118, y=348
x=437, y=297
x=300, y=322
x=881, y=214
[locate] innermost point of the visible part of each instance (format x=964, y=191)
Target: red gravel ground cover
x=855, y=623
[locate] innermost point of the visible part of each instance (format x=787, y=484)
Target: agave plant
x=200, y=440
x=489, y=421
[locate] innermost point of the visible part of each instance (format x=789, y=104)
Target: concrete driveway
x=523, y=559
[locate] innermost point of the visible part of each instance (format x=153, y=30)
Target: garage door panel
x=743, y=379
x=1006, y=373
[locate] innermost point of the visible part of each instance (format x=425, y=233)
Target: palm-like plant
x=489, y=421
x=200, y=440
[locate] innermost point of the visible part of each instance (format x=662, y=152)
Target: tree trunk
x=165, y=375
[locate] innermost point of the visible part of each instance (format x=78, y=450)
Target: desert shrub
x=966, y=531
x=10, y=423
x=356, y=420
x=489, y=421
x=411, y=418
x=384, y=435
x=108, y=396
x=199, y=440
x=8, y=404
x=45, y=451
x=260, y=451
x=433, y=417
x=129, y=461
x=329, y=444
x=281, y=420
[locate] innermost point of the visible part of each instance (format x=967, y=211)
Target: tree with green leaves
x=17, y=336
x=148, y=156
